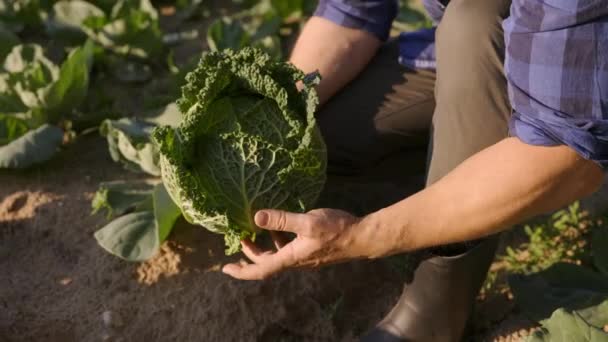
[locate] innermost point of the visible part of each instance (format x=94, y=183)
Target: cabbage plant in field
x=126, y=27
x=37, y=100
x=248, y=140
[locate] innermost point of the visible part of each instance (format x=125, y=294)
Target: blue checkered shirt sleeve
x=373, y=16
x=557, y=68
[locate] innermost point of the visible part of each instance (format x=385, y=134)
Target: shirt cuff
x=373, y=16
x=588, y=137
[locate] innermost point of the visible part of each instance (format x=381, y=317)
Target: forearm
x=338, y=53
x=496, y=188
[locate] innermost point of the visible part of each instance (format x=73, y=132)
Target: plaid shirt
x=556, y=64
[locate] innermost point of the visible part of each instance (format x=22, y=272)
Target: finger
x=252, y=251
x=283, y=221
x=229, y=268
x=243, y=272
x=249, y=271
x=269, y=265
x=278, y=239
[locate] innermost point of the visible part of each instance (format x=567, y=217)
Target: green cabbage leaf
x=38, y=99
x=248, y=140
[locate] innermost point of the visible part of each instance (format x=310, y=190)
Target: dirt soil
x=57, y=284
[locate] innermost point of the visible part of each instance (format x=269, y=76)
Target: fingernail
x=261, y=218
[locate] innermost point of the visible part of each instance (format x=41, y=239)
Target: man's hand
x=324, y=236
x=489, y=192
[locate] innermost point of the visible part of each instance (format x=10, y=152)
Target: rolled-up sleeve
x=373, y=16
x=557, y=69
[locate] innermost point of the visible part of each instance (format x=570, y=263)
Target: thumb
x=280, y=220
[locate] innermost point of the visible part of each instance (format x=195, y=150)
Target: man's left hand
x=324, y=236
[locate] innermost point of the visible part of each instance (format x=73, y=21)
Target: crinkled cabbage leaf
x=248, y=140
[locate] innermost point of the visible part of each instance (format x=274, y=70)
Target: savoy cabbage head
x=248, y=140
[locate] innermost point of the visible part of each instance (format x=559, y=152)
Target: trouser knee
x=472, y=109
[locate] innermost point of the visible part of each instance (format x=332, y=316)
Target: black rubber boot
x=438, y=303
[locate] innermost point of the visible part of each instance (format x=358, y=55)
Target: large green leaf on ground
x=11, y=128
x=166, y=212
x=596, y=315
x=570, y=326
x=70, y=89
x=28, y=75
x=130, y=144
x=41, y=91
x=269, y=25
x=68, y=18
x=137, y=236
x=599, y=246
x=24, y=56
x=131, y=237
x=132, y=28
x=129, y=140
x=562, y=285
x=34, y=147
x=225, y=33
x=124, y=8
x=120, y=197
x=73, y=13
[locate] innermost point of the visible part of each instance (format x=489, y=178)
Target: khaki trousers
x=398, y=129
